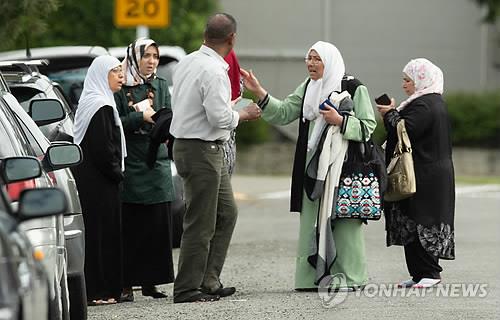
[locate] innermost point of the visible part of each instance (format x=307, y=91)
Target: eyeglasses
x=313, y=60
x=117, y=69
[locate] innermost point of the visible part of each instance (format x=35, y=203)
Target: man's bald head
x=219, y=28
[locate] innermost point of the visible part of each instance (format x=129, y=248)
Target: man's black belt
x=220, y=142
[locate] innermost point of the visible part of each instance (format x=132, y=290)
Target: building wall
x=376, y=38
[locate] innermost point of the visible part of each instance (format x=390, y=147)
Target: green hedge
x=475, y=118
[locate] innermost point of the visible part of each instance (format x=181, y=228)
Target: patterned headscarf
x=135, y=52
x=428, y=78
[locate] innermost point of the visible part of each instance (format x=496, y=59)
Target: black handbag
x=362, y=181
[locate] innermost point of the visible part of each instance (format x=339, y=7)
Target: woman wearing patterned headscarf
x=98, y=131
x=423, y=223
x=147, y=191
x=327, y=246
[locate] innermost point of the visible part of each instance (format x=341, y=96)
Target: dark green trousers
x=209, y=219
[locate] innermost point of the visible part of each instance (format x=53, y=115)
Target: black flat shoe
x=221, y=292
x=153, y=292
x=127, y=296
x=306, y=289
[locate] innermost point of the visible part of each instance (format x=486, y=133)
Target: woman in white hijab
x=99, y=133
x=336, y=248
x=424, y=223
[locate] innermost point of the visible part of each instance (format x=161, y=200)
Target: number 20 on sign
x=150, y=13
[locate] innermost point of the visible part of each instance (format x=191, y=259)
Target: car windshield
x=71, y=81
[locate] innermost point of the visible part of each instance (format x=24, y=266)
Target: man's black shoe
x=199, y=297
x=221, y=292
x=151, y=291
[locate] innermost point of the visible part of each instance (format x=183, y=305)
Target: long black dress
x=427, y=218
x=98, y=180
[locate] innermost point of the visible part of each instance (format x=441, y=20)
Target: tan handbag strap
x=404, y=144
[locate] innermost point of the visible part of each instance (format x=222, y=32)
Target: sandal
x=426, y=283
x=406, y=284
x=101, y=302
x=200, y=297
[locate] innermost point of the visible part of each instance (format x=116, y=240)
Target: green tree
x=90, y=22
x=492, y=9
x=21, y=20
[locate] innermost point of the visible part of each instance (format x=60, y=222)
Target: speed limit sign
x=150, y=13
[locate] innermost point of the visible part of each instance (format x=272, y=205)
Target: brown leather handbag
x=400, y=173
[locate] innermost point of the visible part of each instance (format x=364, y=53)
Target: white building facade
x=376, y=38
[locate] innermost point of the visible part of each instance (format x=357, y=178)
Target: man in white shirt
x=202, y=120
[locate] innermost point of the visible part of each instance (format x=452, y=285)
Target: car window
x=33, y=142
x=60, y=95
x=6, y=147
x=26, y=94
x=12, y=141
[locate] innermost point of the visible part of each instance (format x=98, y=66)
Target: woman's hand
x=331, y=116
x=383, y=109
x=147, y=114
x=251, y=83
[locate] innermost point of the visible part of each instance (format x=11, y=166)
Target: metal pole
x=326, y=19
x=142, y=32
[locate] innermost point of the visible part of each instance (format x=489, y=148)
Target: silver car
x=28, y=85
x=24, y=289
x=46, y=234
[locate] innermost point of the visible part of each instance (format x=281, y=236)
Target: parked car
x=21, y=136
x=68, y=65
x=28, y=85
x=24, y=285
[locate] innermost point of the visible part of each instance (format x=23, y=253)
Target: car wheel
x=77, y=297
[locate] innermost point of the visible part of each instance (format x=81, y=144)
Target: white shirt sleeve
x=217, y=103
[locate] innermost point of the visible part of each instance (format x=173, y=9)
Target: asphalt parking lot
x=260, y=264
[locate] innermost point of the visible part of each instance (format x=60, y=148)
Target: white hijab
x=319, y=90
x=428, y=78
x=95, y=95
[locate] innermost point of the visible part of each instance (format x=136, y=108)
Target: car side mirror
x=15, y=169
x=41, y=202
x=46, y=111
x=62, y=155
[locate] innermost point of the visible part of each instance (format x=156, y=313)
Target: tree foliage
x=90, y=22
x=21, y=20
x=492, y=9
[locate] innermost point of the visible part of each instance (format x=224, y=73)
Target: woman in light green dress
x=326, y=75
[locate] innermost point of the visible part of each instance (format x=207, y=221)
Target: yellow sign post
x=150, y=13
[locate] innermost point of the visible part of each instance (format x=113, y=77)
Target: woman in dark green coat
x=147, y=192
